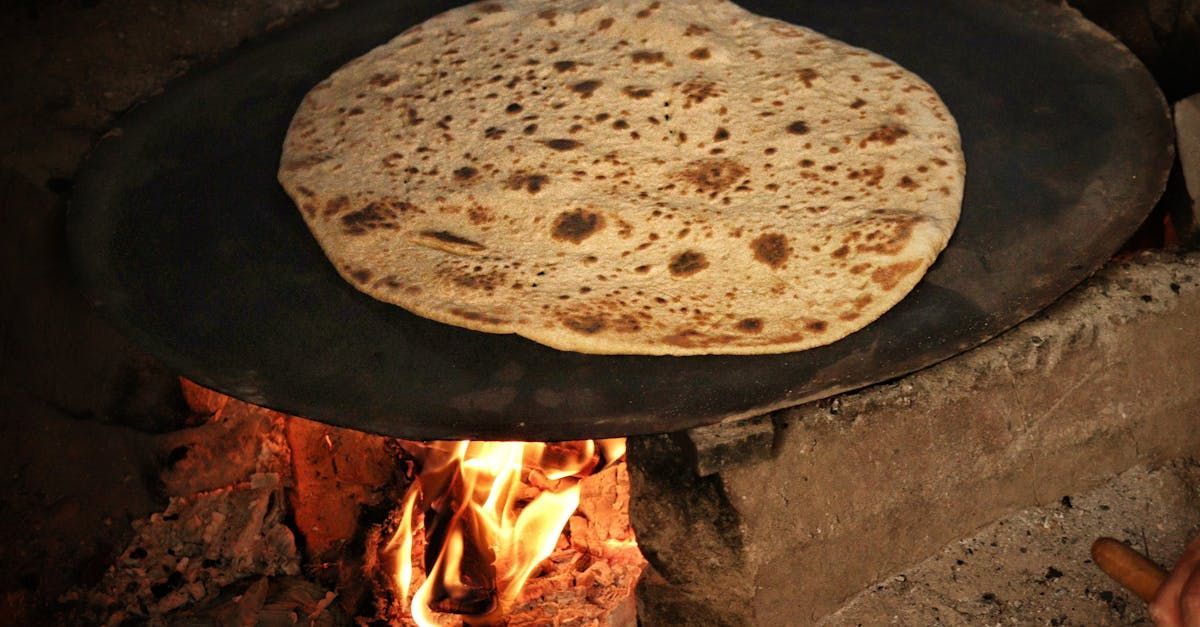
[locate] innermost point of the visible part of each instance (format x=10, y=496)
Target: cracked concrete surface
x=1033, y=566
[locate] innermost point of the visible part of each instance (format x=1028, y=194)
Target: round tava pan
x=182, y=235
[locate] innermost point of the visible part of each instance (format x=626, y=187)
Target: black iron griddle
x=184, y=238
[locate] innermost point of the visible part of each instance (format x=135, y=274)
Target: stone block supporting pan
x=784, y=529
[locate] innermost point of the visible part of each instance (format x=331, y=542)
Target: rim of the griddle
x=92, y=174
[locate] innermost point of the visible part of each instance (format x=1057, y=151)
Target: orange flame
x=484, y=537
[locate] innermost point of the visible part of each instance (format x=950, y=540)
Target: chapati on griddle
x=668, y=178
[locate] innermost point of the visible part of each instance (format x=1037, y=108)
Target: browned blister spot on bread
x=562, y=144
x=336, y=205
x=585, y=324
x=750, y=325
x=649, y=10
x=870, y=176
x=888, y=276
x=693, y=338
x=302, y=163
x=771, y=249
x=446, y=241
x=626, y=323
x=585, y=89
x=486, y=280
x=637, y=93
x=477, y=316
x=686, y=338
x=576, y=226
x=887, y=135
x=529, y=181
x=648, y=56
x=687, y=263
x=479, y=214
x=370, y=217
x=380, y=79
x=711, y=176
x=799, y=127
x=698, y=90
x=888, y=234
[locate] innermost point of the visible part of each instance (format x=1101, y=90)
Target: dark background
x=77, y=402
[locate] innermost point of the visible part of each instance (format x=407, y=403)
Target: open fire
x=275, y=515
x=480, y=518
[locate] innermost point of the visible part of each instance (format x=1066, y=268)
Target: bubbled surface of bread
x=671, y=178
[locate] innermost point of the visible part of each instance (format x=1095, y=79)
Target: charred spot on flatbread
x=585, y=88
x=531, y=182
x=637, y=93
x=799, y=127
x=576, y=226
x=750, y=325
x=771, y=249
x=561, y=144
x=370, y=217
x=886, y=135
x=448, y=242
x=687, y=263
x=711, y=176
x=888, y=276
x=465, y=173
x=587, y=325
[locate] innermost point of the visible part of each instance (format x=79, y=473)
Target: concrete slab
x=1033, y=567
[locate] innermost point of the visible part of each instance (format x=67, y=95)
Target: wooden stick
x=1127, y=567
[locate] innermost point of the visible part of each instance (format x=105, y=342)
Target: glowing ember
x=492, y=512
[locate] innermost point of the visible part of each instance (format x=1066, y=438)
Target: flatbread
x=671, y=178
